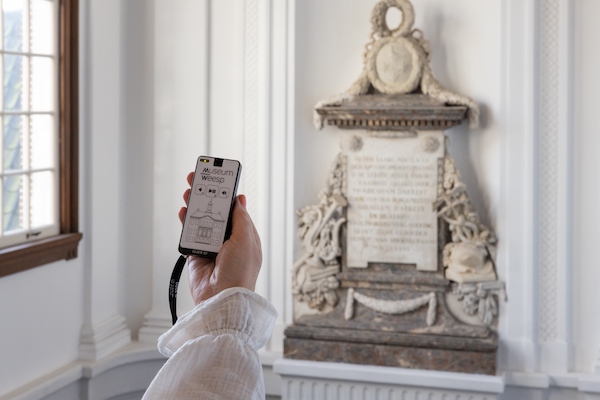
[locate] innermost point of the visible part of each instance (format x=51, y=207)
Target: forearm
x=213, y=349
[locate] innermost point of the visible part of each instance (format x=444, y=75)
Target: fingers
x=242, y=226
x=182, y=212
x=241, y=220
x=186, y=196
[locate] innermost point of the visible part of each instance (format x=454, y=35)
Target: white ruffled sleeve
x=213, y=349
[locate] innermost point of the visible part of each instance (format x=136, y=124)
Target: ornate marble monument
x=397, y=268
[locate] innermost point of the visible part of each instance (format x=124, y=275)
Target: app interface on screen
x=208, y=207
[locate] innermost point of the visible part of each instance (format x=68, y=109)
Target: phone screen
x=207, y=221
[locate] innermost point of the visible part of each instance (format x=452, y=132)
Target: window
x=38, y=140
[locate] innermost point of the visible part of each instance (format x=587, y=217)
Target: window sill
x=25, y=256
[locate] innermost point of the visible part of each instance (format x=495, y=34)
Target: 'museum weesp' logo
x=207, y=174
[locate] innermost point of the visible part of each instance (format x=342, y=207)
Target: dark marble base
x=464, y=355
x=405, y=340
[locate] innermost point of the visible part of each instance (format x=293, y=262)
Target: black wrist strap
x=173, y=285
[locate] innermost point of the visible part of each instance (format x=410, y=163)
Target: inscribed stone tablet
x=392, y=184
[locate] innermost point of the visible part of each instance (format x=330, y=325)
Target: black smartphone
x=207, y=222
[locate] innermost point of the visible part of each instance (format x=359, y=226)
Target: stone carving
x=480, y=298
x=430, y=144
x=397, y=62
x=412, y=237
x=392, y=306
x=391, y=184
x=468, y=262
x=469, y=256
x=313, y=274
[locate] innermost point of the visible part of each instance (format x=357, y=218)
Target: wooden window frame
x=64, y=245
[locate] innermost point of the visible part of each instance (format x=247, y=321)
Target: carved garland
x=396, y=307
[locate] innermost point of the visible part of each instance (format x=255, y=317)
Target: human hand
x=238, y=262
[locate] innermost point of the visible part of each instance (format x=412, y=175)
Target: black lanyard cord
x=173, y=285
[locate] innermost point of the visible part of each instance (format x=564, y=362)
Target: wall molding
x=548, y=149
x=104, y=338
x=555, y=168
x=156, y=322
x=47, y=384
x=268, y=134
x=536, y=247
x=517, y=218
x=96, y=379
x=294, y=379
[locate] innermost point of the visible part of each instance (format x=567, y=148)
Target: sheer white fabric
x=212, y=349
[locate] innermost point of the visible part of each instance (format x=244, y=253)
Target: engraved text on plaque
x=391, y=186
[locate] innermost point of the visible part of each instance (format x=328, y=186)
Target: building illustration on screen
x=206, y=227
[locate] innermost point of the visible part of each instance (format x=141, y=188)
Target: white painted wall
x=164, y=81
x=41, y=314
x=137, y=170
x=586, y=229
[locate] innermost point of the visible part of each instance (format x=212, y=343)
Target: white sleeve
x=213, y=349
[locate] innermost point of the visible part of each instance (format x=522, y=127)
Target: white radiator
x=308, y=380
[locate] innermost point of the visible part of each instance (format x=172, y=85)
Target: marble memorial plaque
x=391, y=186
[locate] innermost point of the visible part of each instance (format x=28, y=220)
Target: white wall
x=41, y=313
x=137, y=171
x=586, y=192
x=164, y=81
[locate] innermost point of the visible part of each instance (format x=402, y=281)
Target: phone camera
x=218, y=162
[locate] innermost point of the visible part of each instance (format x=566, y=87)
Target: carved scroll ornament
x=313, y=274
x=469, y=259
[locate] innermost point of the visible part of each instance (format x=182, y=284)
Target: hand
x=238, y=262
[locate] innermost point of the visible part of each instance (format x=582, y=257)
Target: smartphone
x=207, y=222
